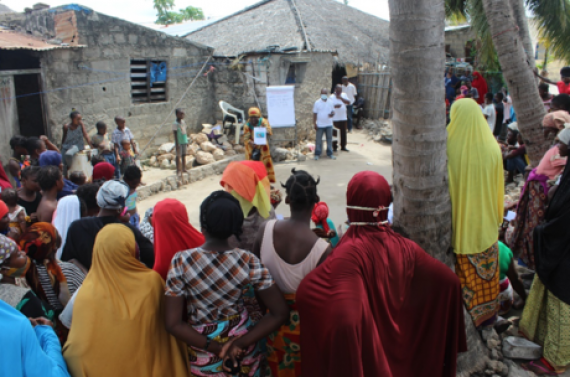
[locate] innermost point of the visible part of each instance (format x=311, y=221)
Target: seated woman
x=31, y=351
x=118, y=321
x=509, y=281
x=173, y=233
x=204, y=305
x=514, y=157
x=534, y=198
x=545, y=316
x=290, y=250
x=360, y=307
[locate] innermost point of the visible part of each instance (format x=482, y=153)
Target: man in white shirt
x=340, y=102
x=323, y=113
x=350, y=90
x=489, y=111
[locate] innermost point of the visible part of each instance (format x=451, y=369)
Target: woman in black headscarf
x=546, y=317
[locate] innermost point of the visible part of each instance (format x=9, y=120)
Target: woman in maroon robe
x=379, y=305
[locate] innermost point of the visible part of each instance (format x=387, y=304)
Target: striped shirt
x=74, y=278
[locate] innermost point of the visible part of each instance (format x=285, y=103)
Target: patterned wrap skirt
x=204, y=363
x=479, y=277
x=284, y=345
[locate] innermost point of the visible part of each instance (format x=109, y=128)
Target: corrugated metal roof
x=11, y=40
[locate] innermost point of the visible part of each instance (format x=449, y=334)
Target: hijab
x=248, y=182
x=480, y=84
x=4, y=180
x=556, y=119
x=320, y=215
x=112, y=195
x=68, y=210
x=3, y=209
x=172, y=233
x=120, y=306
x=476, y=180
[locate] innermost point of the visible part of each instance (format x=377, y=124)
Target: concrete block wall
x=457, y=39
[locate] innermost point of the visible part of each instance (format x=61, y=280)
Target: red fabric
x=3, y=209
x=480, y=84
x=104, y=171
x=172, y=233
x=4, y=180
x=379, y=305
x=320, y=215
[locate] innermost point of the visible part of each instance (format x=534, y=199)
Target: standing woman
x=480, y=84
x=258, y=152
x=72, y=140
x=172, y=233
x=204, y=305
x=476, y=186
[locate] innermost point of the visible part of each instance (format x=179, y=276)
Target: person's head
x=4, y=219
x=10, y=197
x=554, y=122
x=371, y=191
x=565, y=75
x=29, y=179
x=221, y=216
x=563, y=142
x=324, y=94
x=543, y=89
x=338, y=89
x=101, y=127
x=126, y=144
x=120, y=121
x=111, y=198
x=301, y=190
x=78, y=177
x=95, y=160
x=14, y=263
x=88, y=195
x=499, y=97
x=40, y=241
x=180, y=114
x=50, y=178
x=560, y=102
x=254, y=115
x=75, y=117
x=489, y=98
x=468, y=84
x=132, y=176
x=35, y=147
x=512, y=137
x=103, y=171
x=19, y=145
x=345, y=80
x=51, y=158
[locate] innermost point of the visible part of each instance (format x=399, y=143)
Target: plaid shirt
x=119, y=136
x=213, y=282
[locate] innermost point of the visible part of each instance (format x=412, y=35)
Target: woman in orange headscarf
x=258, y=152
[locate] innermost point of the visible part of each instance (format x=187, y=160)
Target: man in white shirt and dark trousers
x=340, y=101
x=350, y=90
x=323, y=112
x=489, y=111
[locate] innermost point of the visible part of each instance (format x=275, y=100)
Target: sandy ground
x=365, y=154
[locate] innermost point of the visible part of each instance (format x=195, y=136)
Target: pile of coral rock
x=379, y=130
x=201, y=151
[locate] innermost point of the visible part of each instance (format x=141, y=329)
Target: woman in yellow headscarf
x=476, y=186
x=258, y=152
x=118, y=316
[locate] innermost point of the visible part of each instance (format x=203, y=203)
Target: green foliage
x=553, y=21
x=165, y=16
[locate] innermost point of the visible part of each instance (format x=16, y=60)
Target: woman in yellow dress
x=256, y=120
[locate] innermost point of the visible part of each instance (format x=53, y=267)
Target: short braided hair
x=301, y=188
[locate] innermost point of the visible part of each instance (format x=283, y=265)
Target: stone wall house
x=100, y=66
x=456, y=38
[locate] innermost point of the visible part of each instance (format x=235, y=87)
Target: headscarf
x=476, y=180
x=221, y=215
x=564, y=136
x=173, y=233
x=254, y=112
x=514, y=126
x=4, y=180
x=146, y=227
x=50, y=158
x=39, y=244
x=3, y=209
x=104, y=171
x=275, y=196
x=68, y=210
x=480, y=84
x=556, y=119
x=249, y=184
x=120, y=306
x=112, y=195
x=464, y=89
x=7, y=247
x=320, y=215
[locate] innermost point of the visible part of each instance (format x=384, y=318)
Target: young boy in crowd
x=127, y=156
x=50, y=180
x=29, y=195
x=101, y=141
x=18, y=145
x=181, y=141
x=564, y=83
x=132, y=178
x=16, y=214
x=78, y=178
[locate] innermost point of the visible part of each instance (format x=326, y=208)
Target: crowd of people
x=89, y=289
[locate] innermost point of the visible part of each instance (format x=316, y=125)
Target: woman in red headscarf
x=480, y=84
x=379, y=305
x=172, y=233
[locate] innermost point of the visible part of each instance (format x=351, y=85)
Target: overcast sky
x=142, y=10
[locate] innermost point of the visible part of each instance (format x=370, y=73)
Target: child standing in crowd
x=78, y=178
x=104, y=146
x=181, y=141
x=18, y=145
x=127, y=156
x=50, y=180
x=72, y=140
x=132, y=178
x=16, y=213
x=564, y=83
x=29, y=195
x=121, y=134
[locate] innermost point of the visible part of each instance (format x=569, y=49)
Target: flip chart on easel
x=281, y=106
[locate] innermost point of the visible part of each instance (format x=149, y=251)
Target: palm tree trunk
x=519, y=12
x=518, y=74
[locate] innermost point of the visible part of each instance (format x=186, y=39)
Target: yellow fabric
x=118, y=316
x=476, y=180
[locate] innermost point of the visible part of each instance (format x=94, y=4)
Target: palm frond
x=486, y=48
x=455, y=8
x=552, y=18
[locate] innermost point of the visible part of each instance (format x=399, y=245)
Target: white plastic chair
x=238, y=126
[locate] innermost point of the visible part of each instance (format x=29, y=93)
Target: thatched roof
x=318, y=25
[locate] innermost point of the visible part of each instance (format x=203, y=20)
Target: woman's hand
x=233, y=352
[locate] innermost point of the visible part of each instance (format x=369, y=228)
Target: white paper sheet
x=260, y=136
